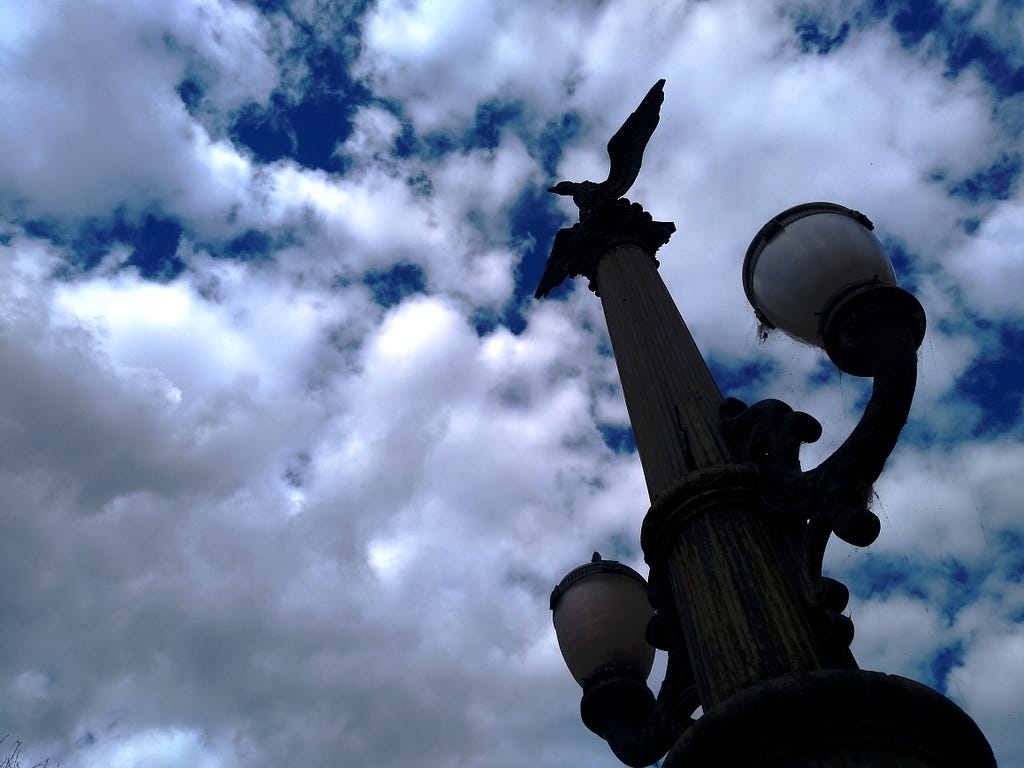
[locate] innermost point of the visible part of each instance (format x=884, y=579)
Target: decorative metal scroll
x=833, y=497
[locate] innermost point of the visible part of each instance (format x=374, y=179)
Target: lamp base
x=834, y=719
x=860, y=325
x=615, y=696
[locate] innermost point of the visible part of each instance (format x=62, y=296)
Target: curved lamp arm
x=639, y=728
x=872, y=331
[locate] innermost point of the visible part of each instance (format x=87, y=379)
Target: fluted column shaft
x=732, y=576
x=670, y=395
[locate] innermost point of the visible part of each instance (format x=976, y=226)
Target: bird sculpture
x=576, y=248
x=626, y=153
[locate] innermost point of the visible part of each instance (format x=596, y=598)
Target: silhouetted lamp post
x=736, y=530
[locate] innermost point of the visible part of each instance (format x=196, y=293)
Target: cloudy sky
x=290, y=457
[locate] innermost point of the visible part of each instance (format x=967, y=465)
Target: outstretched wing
x=556, y=270
x=626, y=147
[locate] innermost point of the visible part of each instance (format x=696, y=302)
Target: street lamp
x=736, y=531
x=600, y=612
x=818, y=274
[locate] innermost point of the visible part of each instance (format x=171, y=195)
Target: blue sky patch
x=191, y=93
x=618, y=438
x=43, y=229
x=492, y=117
x=90, y=244
x=1012, y=543
x=421, y=184
x=321, y=122
x=557, y=134
x=878, y=576
x=435, y=145
x=265, y=132
x=405, y=143
x=535, y=218
x=250, y=245
x=155, y=248
x=948, y=658
x=270, y=6
x=391, y=286
x=964, y=585
x=153, y=242
x=997, y=182
x=308, y=130
x=485, y=321
x=740, y=380
x=825, y=373
x=914, y=19
x=995, y=382
x=902, y=262
x=970, y=49
x=816, y=39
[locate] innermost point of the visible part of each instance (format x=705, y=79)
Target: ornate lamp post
x=736, y=530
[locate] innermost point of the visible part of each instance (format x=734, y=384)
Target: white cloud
x=991, y=684
x=95, y=122
x=942, y=504
x=374, y=132
x=478, y=51
x=897, y=634
x=158, y=748
x=987, y=266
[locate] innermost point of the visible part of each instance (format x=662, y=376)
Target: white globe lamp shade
x=600, y=612
x=804, y=259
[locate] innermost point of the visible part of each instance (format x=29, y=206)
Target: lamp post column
x=732, y=578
